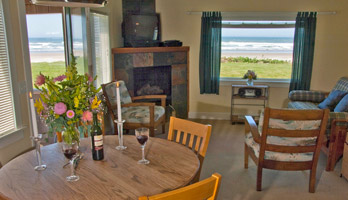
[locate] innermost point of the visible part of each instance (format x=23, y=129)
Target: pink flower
x=70, y=114
x=86, y=116
x=90, y=79
x=40, y=80
x=59, y=78
x=60, y=108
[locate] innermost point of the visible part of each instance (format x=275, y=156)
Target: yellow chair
x=285, y=140
x=205, y=189
x=186, y=132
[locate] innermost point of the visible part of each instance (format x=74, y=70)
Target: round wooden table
x=118, y=176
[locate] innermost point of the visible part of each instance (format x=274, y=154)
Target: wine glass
x=70, y=151
x=142, y=135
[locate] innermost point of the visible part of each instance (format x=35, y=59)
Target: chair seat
x=282, y=141
x=140, y=114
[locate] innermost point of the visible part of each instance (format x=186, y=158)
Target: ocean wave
x=51, y=46
x=256, y=46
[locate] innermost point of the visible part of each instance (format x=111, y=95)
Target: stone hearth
x=126, y=60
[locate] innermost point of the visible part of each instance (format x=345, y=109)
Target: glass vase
x=250, y=82
x=71, y=134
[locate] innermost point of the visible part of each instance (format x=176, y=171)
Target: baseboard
x=209, y=115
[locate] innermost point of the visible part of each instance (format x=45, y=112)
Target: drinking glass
x=142, y=135
x=70, y=151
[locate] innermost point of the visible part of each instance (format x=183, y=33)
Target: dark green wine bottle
x=97, y=140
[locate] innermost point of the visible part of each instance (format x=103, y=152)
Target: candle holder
x=120, y=146
x=37, y=140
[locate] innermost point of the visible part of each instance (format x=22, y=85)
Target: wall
x=11, y=150
x=330, y=50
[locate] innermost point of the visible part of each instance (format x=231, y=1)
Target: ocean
x=257, y=45
x=45, y=45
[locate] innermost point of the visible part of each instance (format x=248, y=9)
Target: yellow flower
x=39, y=106
x=57, y=116
x=69, y=122
x=76, y=102
x=95, y=103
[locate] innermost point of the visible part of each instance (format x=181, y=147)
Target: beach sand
x=46, y=57
x=278, y=56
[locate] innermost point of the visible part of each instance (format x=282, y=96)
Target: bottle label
x=98, y=142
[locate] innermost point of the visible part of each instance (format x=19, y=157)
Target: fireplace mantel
x=125, y=60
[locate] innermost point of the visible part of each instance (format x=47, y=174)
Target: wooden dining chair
x=194, y=135
x=205, y=189
x=285, y=140
x=135, y=114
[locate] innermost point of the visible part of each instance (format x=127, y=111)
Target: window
x=46, y=44
x=7, y=113
x=263, y=46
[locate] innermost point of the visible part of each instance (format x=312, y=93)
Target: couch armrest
x=304, y=95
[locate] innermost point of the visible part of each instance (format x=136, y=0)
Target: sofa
x=337, y=124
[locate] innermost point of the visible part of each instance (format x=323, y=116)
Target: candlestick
x=120, y=135
x=118, y=99
x=33, y=115
x=37, y=141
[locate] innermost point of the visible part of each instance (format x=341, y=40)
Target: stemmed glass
x=70, y=151
x=142, y=135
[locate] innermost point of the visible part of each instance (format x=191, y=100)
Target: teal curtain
x=303, y=51
x=210, y=53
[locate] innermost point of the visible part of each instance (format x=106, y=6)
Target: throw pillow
x=342, y=106
x=331, y=101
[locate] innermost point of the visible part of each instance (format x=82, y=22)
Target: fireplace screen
x=152, y=81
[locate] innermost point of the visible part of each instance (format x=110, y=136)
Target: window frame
x=257, y=16
x=18, y=88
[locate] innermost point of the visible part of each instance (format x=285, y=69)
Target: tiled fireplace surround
x=125, y=60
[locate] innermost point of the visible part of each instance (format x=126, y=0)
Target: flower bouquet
x=67, y=101
x=250, y=76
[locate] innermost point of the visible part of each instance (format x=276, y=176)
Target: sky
x=51, y=25
x=45, y=25
x=249, y=32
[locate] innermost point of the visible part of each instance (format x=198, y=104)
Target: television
x=141, y=30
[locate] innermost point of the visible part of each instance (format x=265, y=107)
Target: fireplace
x=155, y=70
x=152, y=81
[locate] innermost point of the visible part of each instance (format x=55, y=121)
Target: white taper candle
x=119, y=115
x=33, y=115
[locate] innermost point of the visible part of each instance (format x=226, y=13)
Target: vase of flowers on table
x=67, y=102
x=250, y=76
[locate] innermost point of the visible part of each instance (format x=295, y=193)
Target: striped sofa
x=337, y=124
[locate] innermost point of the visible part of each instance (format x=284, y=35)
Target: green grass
x=53, y=69
x=263, y=70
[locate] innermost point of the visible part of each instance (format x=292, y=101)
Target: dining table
x=117, y=176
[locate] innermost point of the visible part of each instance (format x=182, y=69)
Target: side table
x=245, y=96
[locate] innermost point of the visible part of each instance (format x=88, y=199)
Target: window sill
x=11, y=137
x=275, y=83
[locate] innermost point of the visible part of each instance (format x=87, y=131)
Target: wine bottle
x=97, y=140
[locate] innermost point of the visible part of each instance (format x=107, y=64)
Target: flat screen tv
x=141, y=30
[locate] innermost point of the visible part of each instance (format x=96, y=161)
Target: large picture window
x=263, y=46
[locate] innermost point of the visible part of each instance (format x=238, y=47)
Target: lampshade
x=71, y=3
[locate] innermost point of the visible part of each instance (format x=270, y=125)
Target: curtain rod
x=253, y=13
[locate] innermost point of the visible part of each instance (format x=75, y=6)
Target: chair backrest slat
x=292, y=133
x=290, y=149
x=178, y=136
x=296, y=114
x=198, y=143
x=192, y=137
x=205, y=189
x=184, y=138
